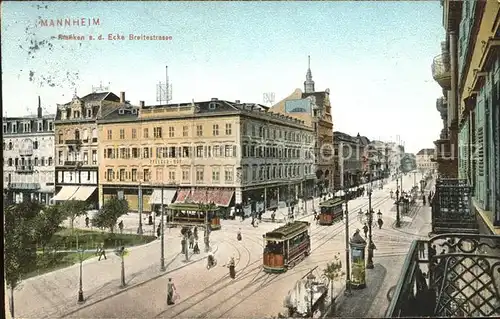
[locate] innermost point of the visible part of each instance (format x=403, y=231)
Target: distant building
x=314, y=108
x=28, y=157
x=348, y=163
x=425, y=161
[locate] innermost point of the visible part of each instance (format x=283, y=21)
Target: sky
x=375, y=57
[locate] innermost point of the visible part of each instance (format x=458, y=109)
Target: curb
x=85, y=305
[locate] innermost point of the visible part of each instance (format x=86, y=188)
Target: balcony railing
x=73, y=142
x=73, y=163
x=24, y=168
x=27, y=186
x=441, y=70
x=450, y=275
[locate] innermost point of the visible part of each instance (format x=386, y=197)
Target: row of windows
x=66, y=114
x=25, y=127
x=273, y=133
x=10, y=146
x=159, y=133
x=134, y=175
x=77, y=157
x=200, y=151
x=266, y=172
x=77, y=136
x=275, y=152
x=36, y=162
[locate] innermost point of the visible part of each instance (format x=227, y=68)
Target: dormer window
x=212, y=106
x=76, y=114
x=51, y=126
x=40, y=126
x=134, y=111
x=89, y=113
x=5, y=127
x=121, y=111
x=63, y=115
x=14, y=128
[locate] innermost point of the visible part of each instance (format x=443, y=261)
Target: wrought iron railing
x=28, y=186
x=462, y=280
x=441, y=67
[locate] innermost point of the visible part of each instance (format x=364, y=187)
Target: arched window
x=77, y=134
x=10, y=145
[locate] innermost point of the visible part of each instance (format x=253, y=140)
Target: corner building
x=28, y=157
x=229, y=153
x=314, y=109
x=77, y=145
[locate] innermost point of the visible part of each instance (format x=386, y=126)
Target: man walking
x=102, y=252
x=171, y=290
x=365, y=230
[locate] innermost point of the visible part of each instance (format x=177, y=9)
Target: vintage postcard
x=267, y=159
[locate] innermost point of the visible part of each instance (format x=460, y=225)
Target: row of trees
x=31, y=225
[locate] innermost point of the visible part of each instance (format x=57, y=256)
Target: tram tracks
x=219, y=284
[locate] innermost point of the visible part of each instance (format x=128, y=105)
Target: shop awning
x=65, y=193
x=218, y=196
x=83, y=193
x=182, y=195
x=168, y=195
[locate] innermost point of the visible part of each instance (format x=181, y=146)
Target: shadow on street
x=359, y=303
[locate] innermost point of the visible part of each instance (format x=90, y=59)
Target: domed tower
x=309, y=83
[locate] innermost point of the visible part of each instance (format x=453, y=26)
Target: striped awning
x=168, y=195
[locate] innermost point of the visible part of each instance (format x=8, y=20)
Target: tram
x=331, y=211
x=286, y=246
x=188, y=214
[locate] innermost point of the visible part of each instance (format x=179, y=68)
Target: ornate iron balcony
x=73, y=142
x=73, y=163
x=450, y=275
x=442, y=105
x=24, y=168
x=27, y=186
x=441, y=70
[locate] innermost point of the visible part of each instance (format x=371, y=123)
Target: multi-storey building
x=425, y=161
x=378, y=159
x=77, y=145
x=214, y=151
x=364, y=155
x=395, y=154
x=28, y=157
x=314, y=108
x=348, y=162
x=471, y=78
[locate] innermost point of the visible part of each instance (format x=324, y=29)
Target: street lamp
x=348, y=264
x=162, y=253
x=398, y=218
x=139, y=194
x=369, y=214
x=80, y=288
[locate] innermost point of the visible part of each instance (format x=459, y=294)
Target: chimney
x=237, y=101
x=39, y=110
x=141, y=104
x=214, y=99
x=122, y=97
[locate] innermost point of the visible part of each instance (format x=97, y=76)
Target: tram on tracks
x=331, y=211
x=189, y=214
x=286, y=246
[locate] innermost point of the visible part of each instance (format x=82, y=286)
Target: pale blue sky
x=375, y=57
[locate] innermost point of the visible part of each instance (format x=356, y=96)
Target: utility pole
x=398, y=220
x=346, y=220
x=139, y=229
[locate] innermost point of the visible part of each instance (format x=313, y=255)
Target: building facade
x=472, y=109
x=314, y=108
x=28, y=157
x=425, y=160
x=228, y=153
x=348, y=163
x=77, y=145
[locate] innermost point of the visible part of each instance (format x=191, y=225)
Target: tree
x=74, y=208
x=20, y=244
x=113, y=209
x=333, y=272
x=46, y=224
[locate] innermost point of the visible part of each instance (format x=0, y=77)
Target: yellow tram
x=286, y=246
x=331, y=211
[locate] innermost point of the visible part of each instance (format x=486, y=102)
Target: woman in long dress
x=170, y=292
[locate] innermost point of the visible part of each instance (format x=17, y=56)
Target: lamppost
x=369, y=214
x=398, y=218
x=207, y=208
x=139, y=194
x=348, y=263
x=80, y=288
x=162, y=246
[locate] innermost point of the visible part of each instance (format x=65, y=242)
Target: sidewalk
x=55, y=293
x=372, y=301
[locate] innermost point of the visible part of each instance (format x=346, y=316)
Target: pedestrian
x=171, y=292
x=195, y=233
x=183, y=245
x=191, y=241
x=380, y=223
x=102, y=252
x=423, y=200
x=273, y=216
x=432, y=253
x=232, y=268
x=196, y=249
x=421, y=250
x=158, y=232
x=120, y=225
x=365, y=230
x=87, y=220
